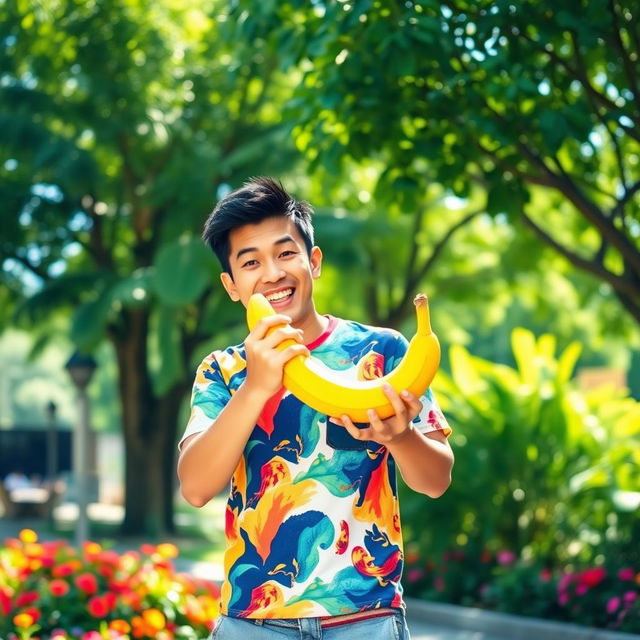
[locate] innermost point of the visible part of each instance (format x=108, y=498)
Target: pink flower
x=581, y=589
x=626, y=574
x=613, y=605
x=414, y=575
x=505, y=558
x=629, y=597
x=91, y=635
x=565, y=581
x=563, y=598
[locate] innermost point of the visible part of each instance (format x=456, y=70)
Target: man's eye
x=249, y=263
x=288, y=253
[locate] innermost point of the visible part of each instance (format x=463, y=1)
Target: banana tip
x=420, y=300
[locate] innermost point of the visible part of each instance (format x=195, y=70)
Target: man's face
x=271, y=258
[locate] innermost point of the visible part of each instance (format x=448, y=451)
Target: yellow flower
x=154, y=618
x=92, y=548
x=23, y=620
x=34, y=565
x=167, y=550
x=28, y=535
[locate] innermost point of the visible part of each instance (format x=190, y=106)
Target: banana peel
x=328, y=391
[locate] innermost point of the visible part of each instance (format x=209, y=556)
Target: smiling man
x=314, y=543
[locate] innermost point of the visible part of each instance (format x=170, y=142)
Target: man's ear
x=229, y=285
x=315, y=259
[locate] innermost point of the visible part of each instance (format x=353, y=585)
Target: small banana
x=327, y=391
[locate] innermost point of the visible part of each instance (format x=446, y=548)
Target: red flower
x=592, y=577
x=5, y=600
x=33, y=612
x=98, y=607
x=87, y=582
x=110, y=599
x=545, y=575
x=59, y=588
x=26, y=598
x=63, y=570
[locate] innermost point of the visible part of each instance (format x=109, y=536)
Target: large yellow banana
x=326, y=390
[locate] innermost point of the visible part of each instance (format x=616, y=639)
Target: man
x=314, y=545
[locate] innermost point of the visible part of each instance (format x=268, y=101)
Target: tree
x=520, y=98
x=120, y=125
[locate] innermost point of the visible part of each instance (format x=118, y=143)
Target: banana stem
x=422, y=312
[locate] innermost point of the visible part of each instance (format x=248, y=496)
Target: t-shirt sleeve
x=209, y=397
x=431, y=417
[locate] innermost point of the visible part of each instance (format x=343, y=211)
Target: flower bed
x=51, y=590
x=602, y=596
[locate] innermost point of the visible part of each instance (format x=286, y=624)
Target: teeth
x=281, y=294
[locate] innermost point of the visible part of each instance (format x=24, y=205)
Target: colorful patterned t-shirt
x=312, y=520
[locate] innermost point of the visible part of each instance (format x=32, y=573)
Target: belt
x=336, y=621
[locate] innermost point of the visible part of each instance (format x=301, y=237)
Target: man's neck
x=313, y=326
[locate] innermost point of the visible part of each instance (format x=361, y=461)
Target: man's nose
x=272, y=272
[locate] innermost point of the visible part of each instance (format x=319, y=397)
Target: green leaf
x=183, y=270
x=567, y=361
x=523, y=343
x=553, y=127
x=171, y=365
x=89, y=322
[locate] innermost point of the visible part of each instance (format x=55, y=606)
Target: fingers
x=265, y=324
x=399, y=407
x=291, y=352
x=354, y=432
x=414, y=404
x=280, y=335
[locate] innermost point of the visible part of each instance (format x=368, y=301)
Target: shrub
x=52, y=590
x=600, y=596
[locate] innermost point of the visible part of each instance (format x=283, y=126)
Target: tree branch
x=398, y=312
x=628, y=194
x=618, y=283
x=582, y=77
x=630, y=72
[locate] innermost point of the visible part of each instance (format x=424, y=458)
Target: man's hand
x=265, y=363
x=393, y=429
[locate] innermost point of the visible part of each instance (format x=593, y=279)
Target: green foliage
x=120, y=126
x=517, y=97
x=540, y=467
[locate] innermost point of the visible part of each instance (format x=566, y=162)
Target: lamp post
x=81, y=368
x=52, y=452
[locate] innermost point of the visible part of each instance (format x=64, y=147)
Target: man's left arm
x=425, y=460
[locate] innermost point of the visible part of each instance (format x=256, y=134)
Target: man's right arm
x=209, y=458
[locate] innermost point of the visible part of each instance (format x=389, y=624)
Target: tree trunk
x=144, y=436
x=169, y=409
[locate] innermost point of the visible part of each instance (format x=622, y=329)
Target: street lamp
x=52, y=453
x=81, y=368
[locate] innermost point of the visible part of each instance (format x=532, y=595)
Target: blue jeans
x=391, y=627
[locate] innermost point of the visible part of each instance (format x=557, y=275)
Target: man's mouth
x=280, y=296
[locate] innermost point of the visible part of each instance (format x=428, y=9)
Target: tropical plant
x=542, y=469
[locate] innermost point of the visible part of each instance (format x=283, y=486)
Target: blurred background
x=487, y=153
